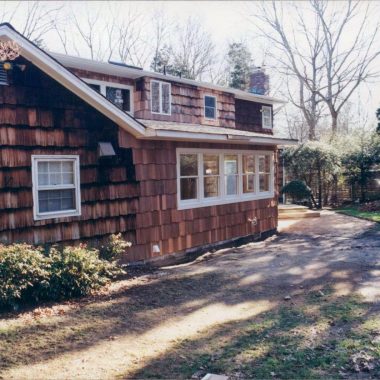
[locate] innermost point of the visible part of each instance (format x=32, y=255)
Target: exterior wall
x=248, y=116
x=133, y=193
x=187, y=104
x=158, y=219
x=38, y=116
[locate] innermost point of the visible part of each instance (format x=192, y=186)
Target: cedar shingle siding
x=134, y=192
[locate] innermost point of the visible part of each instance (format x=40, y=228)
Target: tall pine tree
x=240, y=65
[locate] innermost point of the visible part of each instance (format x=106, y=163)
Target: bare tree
x=304, y=66
x=38, y=18
x=327, y=69
x=191, y=53
x=346, y=66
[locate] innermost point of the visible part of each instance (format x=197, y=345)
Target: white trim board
x=223, y=198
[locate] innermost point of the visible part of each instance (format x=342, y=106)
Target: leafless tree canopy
x=326, y=60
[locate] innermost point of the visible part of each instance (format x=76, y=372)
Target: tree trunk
x=320, y=189
x=362, y=185
x=334, y=123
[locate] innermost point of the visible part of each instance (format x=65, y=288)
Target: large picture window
x=209, y=177
x=56, y=186
x=160, y=93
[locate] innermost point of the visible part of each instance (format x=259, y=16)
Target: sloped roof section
x=198, y=132
x=69, y=80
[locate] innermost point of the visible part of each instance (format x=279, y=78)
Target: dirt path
x=146, y=326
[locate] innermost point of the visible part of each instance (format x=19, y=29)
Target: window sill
x=57, y=215
x=222, y=201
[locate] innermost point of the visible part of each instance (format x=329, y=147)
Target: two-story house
x=91, y=148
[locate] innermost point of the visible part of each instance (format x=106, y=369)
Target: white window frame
x=267, y=108
x=160, y=97
x=201, y=201
x=55, y=214
x=103, y=89
x=204, y=107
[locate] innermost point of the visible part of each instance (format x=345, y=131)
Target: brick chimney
x=259, y=82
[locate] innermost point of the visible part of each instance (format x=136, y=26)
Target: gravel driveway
x=141, y=327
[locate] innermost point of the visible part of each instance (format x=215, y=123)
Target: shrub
x=76, y=271
x=24, y=274
x=27, y=275
x=297, y=189
x=114, y=248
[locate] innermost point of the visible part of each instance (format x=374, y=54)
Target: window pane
x=210, y=101
x=67, y=166
x=210, y=164
x=67, y=178
x=264, y=182
x=165, y=98
x=231, y=164
x=264, y=164
x=211, y=186
x=189, y=188
x=210, y=113
x=189, y=165
x=43, y=179
x=43, y=167
x=120, y=97
x=231, y=184
x=55, y=166
x=248, y=163
x=95, y=87
x=248, y=183
x=155, y=97
x=56, y=200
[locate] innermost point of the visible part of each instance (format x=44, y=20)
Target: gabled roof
x=142, y=129
x=57, y=71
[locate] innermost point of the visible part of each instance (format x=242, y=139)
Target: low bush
x=114, y=248
x=29, y=275
x=24, y=273
x=370, y=206
x=76, y=271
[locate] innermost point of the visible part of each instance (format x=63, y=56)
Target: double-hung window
x=160, y=95
x=210, y=177
x=266, y=113
x=56, y=186
x=210, y=107
x=119, y=94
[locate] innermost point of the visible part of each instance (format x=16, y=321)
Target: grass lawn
x=374, y=216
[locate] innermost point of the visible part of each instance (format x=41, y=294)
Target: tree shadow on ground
x=316, y=340
x=248, y=276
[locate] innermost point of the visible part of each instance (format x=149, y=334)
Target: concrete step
x=299, y=215
x=291, y=208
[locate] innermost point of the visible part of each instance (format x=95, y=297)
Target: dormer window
x=210, y=107
x=119, y=94
x=266, y=113
x=160, y=94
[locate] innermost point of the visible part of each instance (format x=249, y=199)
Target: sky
x=226, y=21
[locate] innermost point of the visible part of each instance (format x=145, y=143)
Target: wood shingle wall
x=159, y=221
x=39, y=116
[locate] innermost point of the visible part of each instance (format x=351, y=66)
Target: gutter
x=157, y=134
